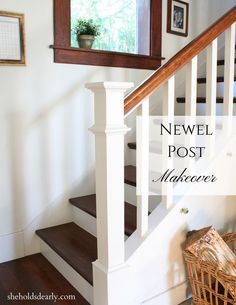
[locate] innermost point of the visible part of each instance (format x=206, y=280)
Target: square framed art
x=177, y=17
x=12, y=48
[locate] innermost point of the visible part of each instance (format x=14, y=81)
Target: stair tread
x=88, y=205
x=75, y=245
x=219, y=99
x=220, y=79
x=154, y=146
x=130, y=175
x=132, y=145
x=34, y=274
x=221, y=62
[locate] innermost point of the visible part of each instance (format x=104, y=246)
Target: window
x=117, y=20
x=131, y=32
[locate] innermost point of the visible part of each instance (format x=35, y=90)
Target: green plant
x=86, y=27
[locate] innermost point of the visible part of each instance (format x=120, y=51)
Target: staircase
x=75, y=244
x=219, y=80
x=98, y=251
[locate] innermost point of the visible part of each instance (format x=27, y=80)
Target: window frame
x=64, y=53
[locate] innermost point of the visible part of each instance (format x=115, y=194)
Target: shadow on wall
x=230, y=224
x=50, y=152
x=178, y=270
x=49, y=159
x=176, y=275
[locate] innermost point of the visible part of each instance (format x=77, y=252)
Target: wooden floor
x=34, y=274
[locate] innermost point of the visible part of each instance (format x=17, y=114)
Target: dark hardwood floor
x=35, y=275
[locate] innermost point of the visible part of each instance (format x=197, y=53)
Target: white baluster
x=109, y=130
x=211, y=79
x=168, y=112
x=211, y=94
x=190, y=106
x=229, y=70
x=142, y=139
x=191, y=88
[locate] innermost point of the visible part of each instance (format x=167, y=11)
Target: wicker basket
x=210, y=286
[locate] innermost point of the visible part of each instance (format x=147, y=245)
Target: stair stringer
x=156, y=263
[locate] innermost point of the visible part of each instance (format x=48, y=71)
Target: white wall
x=46, y=151
x=202, y=13
x=208, y=11
x=157, y=266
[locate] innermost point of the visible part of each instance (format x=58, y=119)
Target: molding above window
x=64, y=53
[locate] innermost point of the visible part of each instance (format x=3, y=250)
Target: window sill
x=80, y=56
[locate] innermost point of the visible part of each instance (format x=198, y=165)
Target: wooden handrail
x=179, y=60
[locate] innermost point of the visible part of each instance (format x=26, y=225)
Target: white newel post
x=109, y=130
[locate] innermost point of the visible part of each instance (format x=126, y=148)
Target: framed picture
x=177, y=17
x=12, y=49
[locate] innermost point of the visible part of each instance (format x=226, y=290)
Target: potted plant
x=86, y=31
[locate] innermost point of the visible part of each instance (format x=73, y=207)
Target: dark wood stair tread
x=130, y=175
x=132, y=145
x=221, y=62
x=88, y=205
x=220, y=79
x=154, y=147
x=34, y=274
x=75, y=245
x=219, y=100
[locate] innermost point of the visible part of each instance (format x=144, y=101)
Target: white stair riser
x=219, y=109
x=86, y=221
x=73, y=277
x=132, y=157
x=201, y=90
x=130, y=194
x=131, y=197
x=154, y=159
x=177, y=293
x=220, y=70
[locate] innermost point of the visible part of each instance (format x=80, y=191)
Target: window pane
x=119, y=23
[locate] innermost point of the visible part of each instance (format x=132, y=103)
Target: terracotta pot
x=85, y=41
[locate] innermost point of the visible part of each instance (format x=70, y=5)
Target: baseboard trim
x=12, y=246
x=172, y=296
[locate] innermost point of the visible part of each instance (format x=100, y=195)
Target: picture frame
x=12, y=42
x=177, y=17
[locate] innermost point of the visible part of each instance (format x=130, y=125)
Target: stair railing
x=165, y=76
x=111, y=108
